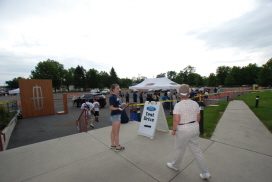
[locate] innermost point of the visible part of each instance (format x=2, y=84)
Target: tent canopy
x=156, y=84
x=15, y=91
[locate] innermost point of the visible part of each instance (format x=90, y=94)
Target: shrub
x=4, y=117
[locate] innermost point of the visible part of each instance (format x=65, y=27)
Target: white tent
x=15, y=91
x=156, y=84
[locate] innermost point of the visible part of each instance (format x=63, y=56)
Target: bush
x=4, y=117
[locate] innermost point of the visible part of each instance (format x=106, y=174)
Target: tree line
x=84, y=79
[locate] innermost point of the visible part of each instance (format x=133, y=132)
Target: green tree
x=105, y=81
x=113, y=76
x=265, y=74
x=179, y=77
x=68, y=77
x=229, y=81
x=250, y=74
x=49, y=69
x=190, y=69
x=161, y=75
x=80, y=78
x=205, y=80
x=186, y=72
x=212, y=80
x=191, y=79
x=92, y=78
x=171, y=75
x=199, y=80
x=236, y=73
x=138, y=79
x=125, y=82
x=221, y=74
x=13, y=84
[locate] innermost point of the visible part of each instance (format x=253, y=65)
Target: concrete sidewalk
x=240, y=150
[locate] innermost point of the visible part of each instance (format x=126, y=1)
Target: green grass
x=212, y=115
x=264, y=109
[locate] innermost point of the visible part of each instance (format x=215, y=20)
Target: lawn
x=212, y=115
x=264, y=109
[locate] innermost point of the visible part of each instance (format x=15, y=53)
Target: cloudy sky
x=136, y=37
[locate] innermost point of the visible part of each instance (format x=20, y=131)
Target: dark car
x=95, y=96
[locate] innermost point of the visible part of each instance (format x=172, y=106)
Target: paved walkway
x=240, y=150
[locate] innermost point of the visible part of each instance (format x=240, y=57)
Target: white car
x=95, y=91
x=105, y=91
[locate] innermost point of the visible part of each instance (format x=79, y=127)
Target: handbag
x=124, y=117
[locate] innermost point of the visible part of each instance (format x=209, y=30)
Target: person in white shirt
x=96, y=110
x=186, y=131
x=89, y=107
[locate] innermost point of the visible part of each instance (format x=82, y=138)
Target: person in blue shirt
x=135, y=97
x=192, y=94
x=116, y=111
x=164, y=98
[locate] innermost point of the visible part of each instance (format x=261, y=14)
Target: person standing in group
x=135, y=97
x=218, y=91
x=144, y=96
x=116, y=111
x=174, y=98
x=96, y=110
x=192, y=94
x=206, y=95
x=121, y=94
x=141, y=97
x=186, y=132
x=127, y=97
x=89, y=107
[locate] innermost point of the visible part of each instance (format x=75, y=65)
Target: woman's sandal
x=118, y=150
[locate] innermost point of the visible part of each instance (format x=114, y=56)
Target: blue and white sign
x=151, y=108
x=153, y=118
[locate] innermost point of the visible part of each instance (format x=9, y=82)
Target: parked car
x=95, y=96
x=96, y=90
x=195, y=89
x=134, y=90
x=105, y=91
x=2, y=92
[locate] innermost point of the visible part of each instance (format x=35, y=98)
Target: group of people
x=199, y=95
x=185, y=127
x=144, y=96
x=92, y=109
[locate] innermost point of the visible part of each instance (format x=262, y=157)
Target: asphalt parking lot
x=38, y=129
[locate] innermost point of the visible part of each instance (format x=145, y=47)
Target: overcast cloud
x=251, y=31
x=143, y=37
